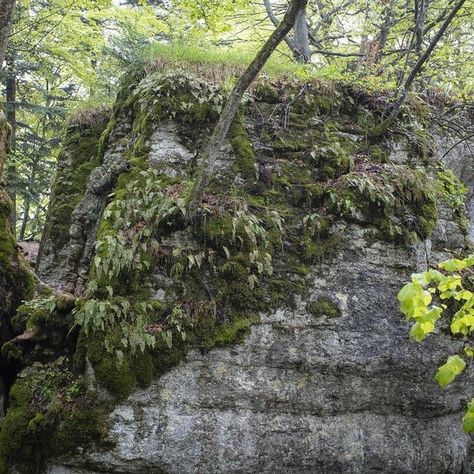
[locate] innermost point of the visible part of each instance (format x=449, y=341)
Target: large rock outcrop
x=295, y=356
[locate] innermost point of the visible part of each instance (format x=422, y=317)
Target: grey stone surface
x=304, y=394
x=167, y=153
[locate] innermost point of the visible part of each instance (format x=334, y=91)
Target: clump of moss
x=332, y=156
x=18, y=443
x=17, y=280
x=453, y=192
x=49, y=414
x=399, y=200
x=266, y=92
x=378, y=154
x=323, y=307
x=245, y=163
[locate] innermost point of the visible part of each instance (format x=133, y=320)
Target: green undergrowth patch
x=400, y=201
x=50, y=413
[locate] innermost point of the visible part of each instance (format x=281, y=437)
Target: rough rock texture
x=331, y=385
x=303, y=393
x=76, y=161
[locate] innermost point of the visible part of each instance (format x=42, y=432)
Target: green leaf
x=468, y=419
x=469, y=351
x=453, y=265
x=448, y=371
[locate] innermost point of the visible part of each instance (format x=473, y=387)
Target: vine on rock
x=441, y=297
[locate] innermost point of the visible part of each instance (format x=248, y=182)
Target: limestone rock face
x=331, y=384
x=304, y=392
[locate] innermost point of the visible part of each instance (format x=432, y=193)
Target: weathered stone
x=167, y=154
x=301, y=394
x=351, y=394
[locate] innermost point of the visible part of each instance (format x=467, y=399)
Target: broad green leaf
x=468, y=419
x=469, y=351
x=448, y=371
x=453, y=265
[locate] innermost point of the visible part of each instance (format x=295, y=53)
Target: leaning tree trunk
x=231, y=107
x=403, y=93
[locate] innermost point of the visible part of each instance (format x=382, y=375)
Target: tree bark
x=385, y=29
x=231, y=107
x=6, y=15
x=301, y=38
x=403, y=93
x=421, y=9
x=299, y=42
x=10, y=109
x=6, y=19
x=4, y=137
x=25, y=220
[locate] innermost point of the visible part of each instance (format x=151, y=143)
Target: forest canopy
x=65, y=56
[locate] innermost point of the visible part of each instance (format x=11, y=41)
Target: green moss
x=452, y=192
x=19, y=435
x=29, y=437
x=378, y=154
x=7, y=241
x=218, y=229
x=142, y=367
x=323, y=307
x=82, y=424
x=428, y=218
x=266, y=92
x=398, y=200
x=114, y=374
x=245, y=163
x=332, y=155
x=233, y=333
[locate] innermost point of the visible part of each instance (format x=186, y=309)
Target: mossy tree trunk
x=6, y=15
x=231, y=107
x=403, y=92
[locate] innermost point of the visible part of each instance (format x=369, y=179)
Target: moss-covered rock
x=78, y=157
x=160, y=286
x=323, y=307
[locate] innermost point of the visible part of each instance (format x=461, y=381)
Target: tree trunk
x=299, y=42
x=231, y=107
x=10, y=97
x=421, y=9
x=6, y=14
x=25, y=220
x=6, y=18
x=4, y=137
x=301, y=38
x=403, y=93
x=385, y=29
